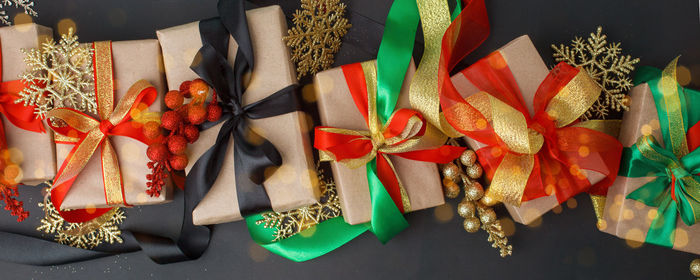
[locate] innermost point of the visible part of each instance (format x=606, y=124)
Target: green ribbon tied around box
x=676, y=190
x=393, y=60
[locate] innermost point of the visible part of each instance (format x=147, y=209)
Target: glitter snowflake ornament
x=27, y=5
x=608, y=67
x=316, y=36
x=288, y=224
x=59, y=76
x=87, y=235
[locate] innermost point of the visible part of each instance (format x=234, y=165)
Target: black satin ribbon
x=253, y=154
x=22, y=244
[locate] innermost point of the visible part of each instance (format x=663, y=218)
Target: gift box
x=132, y=61
x=648, y=202
x=528, y=71
x=34, y=152
x=421, y=180
x=294, y=183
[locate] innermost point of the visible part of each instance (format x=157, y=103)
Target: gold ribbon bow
x=523, y=142
x=410, y=133
x=94, y=132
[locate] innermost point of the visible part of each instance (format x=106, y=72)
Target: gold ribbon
x=95, y=130
x=406, y=141
x=424, y=95
x=523, y=143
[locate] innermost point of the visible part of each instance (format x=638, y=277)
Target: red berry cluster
x=168, y=152
x=9, y=194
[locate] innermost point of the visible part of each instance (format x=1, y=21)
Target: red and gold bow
x=92, y=133
x=527, y=156
x=406, y=134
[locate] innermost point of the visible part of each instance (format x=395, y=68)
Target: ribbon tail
x=310, y=243
x=662, y=231
x=387, y=220
x=254, y=158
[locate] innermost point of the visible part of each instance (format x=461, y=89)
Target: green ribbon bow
x=393, y=59
x=676, y=190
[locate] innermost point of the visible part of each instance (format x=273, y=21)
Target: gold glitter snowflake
x=27, y=5
x=287, y=224
x=59, y=75
x=85, y=235
x=316, y=36
x=606, y=65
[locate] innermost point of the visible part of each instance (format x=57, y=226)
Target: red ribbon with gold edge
x=406, y=135
x=528, y=157
x=94, y=133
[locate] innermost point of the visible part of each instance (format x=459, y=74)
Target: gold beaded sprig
x=695, y=268
x=475, y=208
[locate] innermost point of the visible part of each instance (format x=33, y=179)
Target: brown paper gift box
x=133, y=61
x=628, y=218
x=529, y=71
x=293, y=185
x=34, y=152
x=337, y=109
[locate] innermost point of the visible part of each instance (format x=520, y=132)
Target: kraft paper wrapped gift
x=34, y=152
x=337, y=109
x=133, y=61
x=529, y=71
x=294, y=184
x=628, y=218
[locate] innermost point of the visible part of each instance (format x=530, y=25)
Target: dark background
x=565, y=245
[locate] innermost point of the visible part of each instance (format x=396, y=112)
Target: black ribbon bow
x=167, y=245
x=253, y=154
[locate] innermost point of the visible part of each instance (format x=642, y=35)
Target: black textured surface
x=564, y=246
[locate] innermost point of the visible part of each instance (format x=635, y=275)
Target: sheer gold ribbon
x=523, y=143
x=424, y=95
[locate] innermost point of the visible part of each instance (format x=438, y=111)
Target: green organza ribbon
x=393, y=60
x=675, y=191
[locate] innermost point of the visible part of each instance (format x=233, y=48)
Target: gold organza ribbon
x=522, y=141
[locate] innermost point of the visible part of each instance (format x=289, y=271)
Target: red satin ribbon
x=16, y=113
x=350, y=147
x=566, y=151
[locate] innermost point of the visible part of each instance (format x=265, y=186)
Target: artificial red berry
x=199, y=90
x=196, y=114
x=178, y=162
x=177, y=144
x=174, y=99
x=170, y=120
x=151, y=130
x=185, y=89
x=157, y=152
x=191, y=133
x=213, y=112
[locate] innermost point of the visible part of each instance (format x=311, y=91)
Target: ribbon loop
x=539, y=155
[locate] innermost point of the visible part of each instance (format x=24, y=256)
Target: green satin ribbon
x=675, y=191
x=393, y=59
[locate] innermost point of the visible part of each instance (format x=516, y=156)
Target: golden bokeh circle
x=444, y=213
